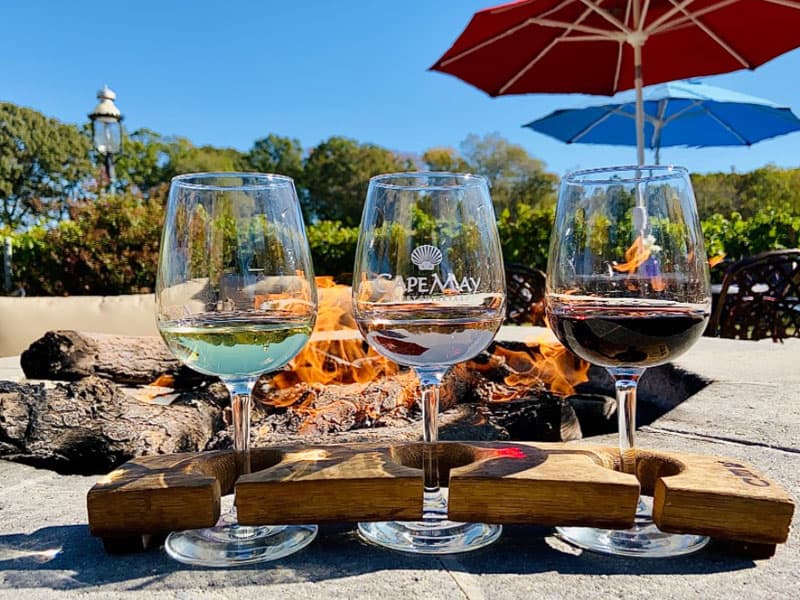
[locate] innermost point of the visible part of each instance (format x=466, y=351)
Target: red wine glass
x=628, y=288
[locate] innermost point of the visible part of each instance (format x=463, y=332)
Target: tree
x=515, y=177
x=769, y=187
x=143, y=163
x=747, y=193
x=444, y=159
x=184, y=157
x=276, y=154
x=43, y=163
x=337, y=173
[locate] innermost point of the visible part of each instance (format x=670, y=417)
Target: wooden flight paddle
x=495, y=482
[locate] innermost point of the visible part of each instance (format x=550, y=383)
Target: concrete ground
x=750, y=411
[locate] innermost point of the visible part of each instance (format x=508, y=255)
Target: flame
x=336, y=353
x=638, y=252
x=544, y=364
x=715, y=260
x=547, y=364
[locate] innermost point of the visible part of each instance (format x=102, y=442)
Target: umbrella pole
x=637, y=76
x=639, y=211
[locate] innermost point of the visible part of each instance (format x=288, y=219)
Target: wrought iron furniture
x=760, y=298
x=524, y=295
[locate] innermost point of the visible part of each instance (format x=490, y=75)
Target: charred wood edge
x=744, y=512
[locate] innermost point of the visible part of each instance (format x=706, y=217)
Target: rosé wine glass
x=429, y=292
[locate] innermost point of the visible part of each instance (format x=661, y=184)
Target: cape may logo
x=426, y=257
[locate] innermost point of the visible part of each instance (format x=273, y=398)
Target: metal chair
x=760, y=298
x=525, y=289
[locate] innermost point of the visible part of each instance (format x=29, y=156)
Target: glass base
x=234, y=545
x=643, y=539
x=433, y=536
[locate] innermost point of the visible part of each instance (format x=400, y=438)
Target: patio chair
x=760, y=298
x=525, y=295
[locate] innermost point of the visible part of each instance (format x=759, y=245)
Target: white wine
x=236, y=344
x=418, y=336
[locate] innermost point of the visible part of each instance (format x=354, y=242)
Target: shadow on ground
x=68, y=558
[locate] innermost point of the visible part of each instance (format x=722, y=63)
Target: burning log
x=526, y=408
x=92, y=425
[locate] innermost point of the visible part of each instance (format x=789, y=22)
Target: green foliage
x=144, y=162
x=737, y=237
x=336, y=174
x=276, y=154
x=333, y=247
x=515, y=177
x=445, y=159
x=110, y=246
x=70, y=240
x=42, y=162
x=525, y=236
x=747, y=193
x=184, y=157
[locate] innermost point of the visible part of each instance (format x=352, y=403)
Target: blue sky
x=228, y=72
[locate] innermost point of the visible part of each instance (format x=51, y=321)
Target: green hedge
x=110, y=246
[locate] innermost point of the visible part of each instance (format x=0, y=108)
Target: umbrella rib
x=556, y=24
x=786, y=3
x=593, y=6
x=577, y=137
x=694, y=104
x=725, y=126
x=685, y=18
x=658, y=125
x=643, y=15
x=530, y=21
x=568, y=28
x=679, y=8
x=485, y=42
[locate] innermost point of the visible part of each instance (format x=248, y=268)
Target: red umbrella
x=596, y=46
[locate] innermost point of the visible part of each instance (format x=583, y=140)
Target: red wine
x=614, y=333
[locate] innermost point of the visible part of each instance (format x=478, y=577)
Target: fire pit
x=129, y=397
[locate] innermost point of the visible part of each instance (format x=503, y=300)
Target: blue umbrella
x=684, y=113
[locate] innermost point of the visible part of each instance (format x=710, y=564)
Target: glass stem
x=434, y=503
x=625, y=383
x=240, y=390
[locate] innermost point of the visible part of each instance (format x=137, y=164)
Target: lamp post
x=107, y=129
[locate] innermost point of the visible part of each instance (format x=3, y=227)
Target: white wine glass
x=429, y=292
x=628, y=288
x=235, y=298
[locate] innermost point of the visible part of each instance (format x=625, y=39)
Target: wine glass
x=628, y=288
x=429, y=292
x=235, y=298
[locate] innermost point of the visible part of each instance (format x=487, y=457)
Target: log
x=92, y=426
x=71, y=355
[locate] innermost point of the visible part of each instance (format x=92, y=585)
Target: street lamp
x=107, y=129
